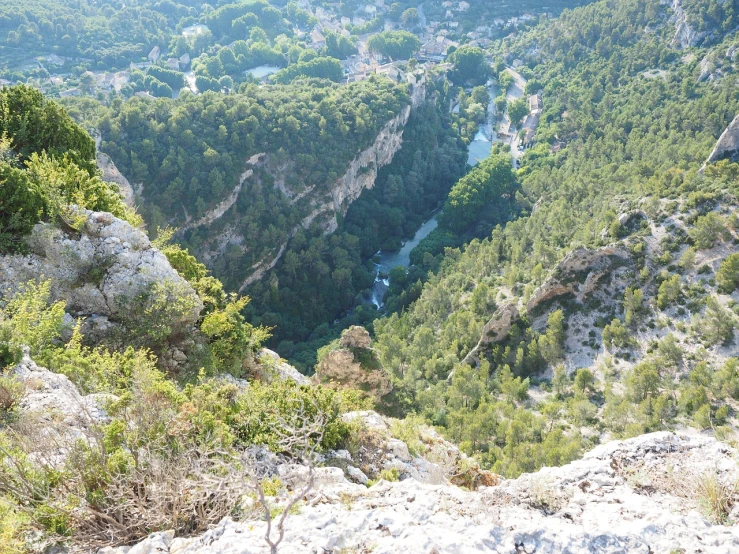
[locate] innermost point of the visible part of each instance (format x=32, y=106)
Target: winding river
x=479, y=149
x=389, y=260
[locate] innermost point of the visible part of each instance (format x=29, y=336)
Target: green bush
x=727, y=277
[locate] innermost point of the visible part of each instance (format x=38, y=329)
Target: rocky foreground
x=650, y=494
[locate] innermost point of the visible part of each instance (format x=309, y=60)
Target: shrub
x=727, y=276
x=22, y=205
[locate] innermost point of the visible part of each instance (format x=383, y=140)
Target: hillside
x=594, y=315
x=556, y=370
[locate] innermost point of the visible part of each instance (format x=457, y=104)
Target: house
x=516, y=63
x=173, y=64
x=316, y=36
x=53, y=59
x=435, y=49
x=370, y=10
x=345, y=21
x=184, y=60
x=535, y=105
x=154, y=55
x=463, y=6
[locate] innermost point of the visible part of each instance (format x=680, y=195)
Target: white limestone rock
x=98, y=271
x=595, y=508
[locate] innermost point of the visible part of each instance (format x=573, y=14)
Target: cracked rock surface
x=637, y=495
x=98, y=271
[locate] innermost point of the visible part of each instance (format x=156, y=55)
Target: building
x=463, y=6
x=173, y=64
x=154, y=55
x=535, y=105
x=316, y=36
x=435, y=49
x=184, y=60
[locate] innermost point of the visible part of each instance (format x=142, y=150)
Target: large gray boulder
x=105, y=273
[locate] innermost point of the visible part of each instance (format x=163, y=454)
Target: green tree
x=469, y=64
x=727, y=276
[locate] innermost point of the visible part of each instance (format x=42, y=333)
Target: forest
x=628, y=139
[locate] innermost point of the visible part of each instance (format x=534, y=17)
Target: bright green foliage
x=584, y=380
x=94, y=370
x=27, y=319
x=22, y=205
x=469, y=65
x=707, y=230
x=487, y=182
x=35, y=125
x=517, y=110
x=321, y=68
x=668, y=292
x=47, y=164
x=727, y=277
x=397, y=45
x=617, y=334
x=231, y=337
x=13, y=524
x=716, y=325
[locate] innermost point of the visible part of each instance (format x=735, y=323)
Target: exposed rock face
x=111, y=174
x=360, y=175
x=578, y=274
x=591, y=505
x=99, y=271
x=685, y=36
x=270, y=366
x=55, y=399
x=355, y=337
x=432, y=459
x=727, y=145
x=354, y=365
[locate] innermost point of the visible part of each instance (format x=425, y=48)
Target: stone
x=98, y=272
x=355, y=337
x=413, y=517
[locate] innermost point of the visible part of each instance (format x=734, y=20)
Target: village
x=441, y=27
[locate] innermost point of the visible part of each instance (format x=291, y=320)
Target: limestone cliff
x=727, y=145
x=104, y=271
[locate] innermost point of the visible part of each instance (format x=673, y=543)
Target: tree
x=517, y=110
x=480, y=95
x=491, y=178
x=409, y=19
x=717, y=324
x=727, y=276
x=469, y=64
x=501, y=103
x=397, y=45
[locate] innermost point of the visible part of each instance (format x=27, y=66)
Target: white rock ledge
x=622, y=497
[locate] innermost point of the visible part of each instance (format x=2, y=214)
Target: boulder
x=104, y=273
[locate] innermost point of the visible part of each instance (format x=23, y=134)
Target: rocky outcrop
x=727, y=145
x=230, y=200
x=103, y=272
x=685, y=36
x=111, y=174
x=354, y=365
x=360, y=175
x=269, y=366
x=54, y=399
x=642, y=495
x=578, y=274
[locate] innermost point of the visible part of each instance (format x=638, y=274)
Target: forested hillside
x=190, y=154
x=627, y=141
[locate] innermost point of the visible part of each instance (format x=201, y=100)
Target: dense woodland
x=629, y=119
x=627, y=138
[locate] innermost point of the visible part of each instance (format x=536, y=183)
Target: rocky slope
x=646, y=495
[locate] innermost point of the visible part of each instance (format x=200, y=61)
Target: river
x=389, y=260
